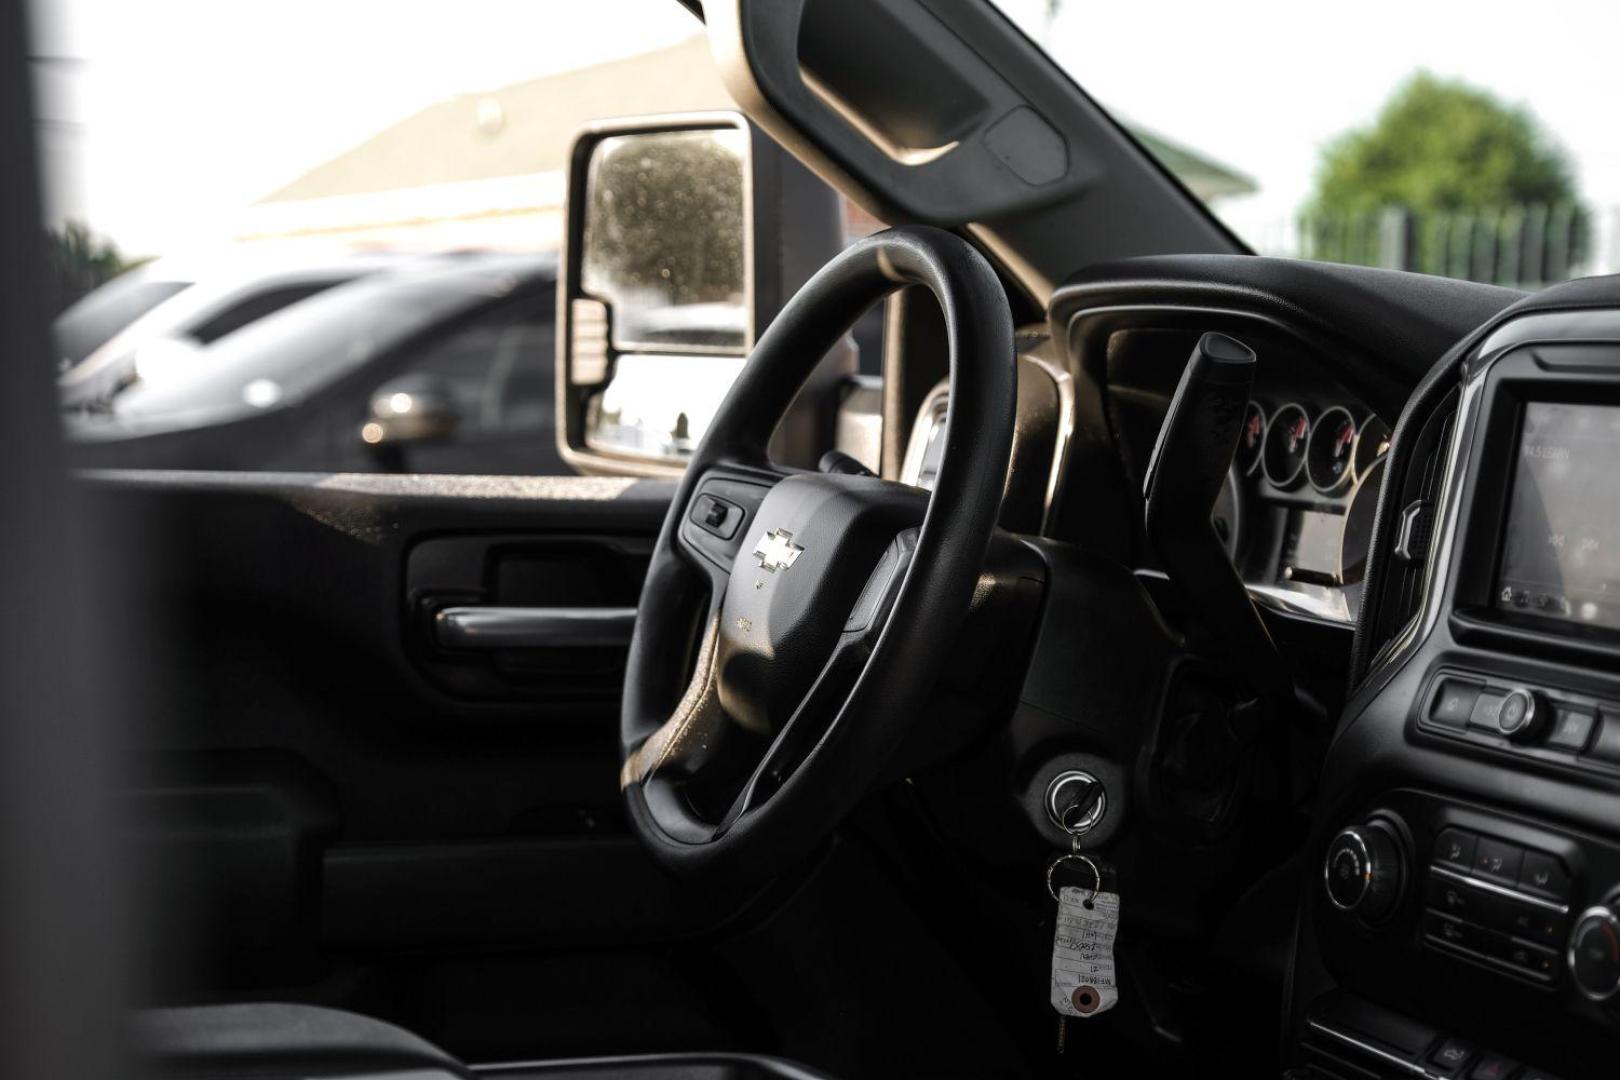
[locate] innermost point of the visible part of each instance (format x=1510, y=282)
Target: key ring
x=1051, y=869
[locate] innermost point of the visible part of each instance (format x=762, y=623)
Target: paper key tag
x=1083, y=982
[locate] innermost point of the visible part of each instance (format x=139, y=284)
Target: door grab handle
x=533, y=627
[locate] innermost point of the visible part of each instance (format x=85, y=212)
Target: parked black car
x=440, y=364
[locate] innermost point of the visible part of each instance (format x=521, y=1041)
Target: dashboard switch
x=1544, y=875
x=1487, y=712
x=1523, y=716
x=1455, y=848
x=1451, y=1056
x=1530, y=922
x=1493, y=1067
x=1454, y=702
x=1498, y=861
x=1607, y=746
x=1571, y=730
x=1532, y=960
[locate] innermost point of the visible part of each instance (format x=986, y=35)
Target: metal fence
x=1522, y=246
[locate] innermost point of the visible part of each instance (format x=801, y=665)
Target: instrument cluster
x=1331, y=451
x=1302, y=495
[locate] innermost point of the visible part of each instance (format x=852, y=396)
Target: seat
x=305, y=1042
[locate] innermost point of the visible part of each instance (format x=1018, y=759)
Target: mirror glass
x=665, y=239
x=659, y=406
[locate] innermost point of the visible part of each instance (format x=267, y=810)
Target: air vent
x=1411, y=533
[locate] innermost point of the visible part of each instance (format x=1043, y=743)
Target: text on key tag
x=1083, y=978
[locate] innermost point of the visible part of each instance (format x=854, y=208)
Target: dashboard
x=1472, y=794
x=1460, y=908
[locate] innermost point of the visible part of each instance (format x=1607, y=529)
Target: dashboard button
x=1451, y=1057
x=1523, y=715
x=1456, y=933
x=1493, y=1067
x=1460, y=900
x=1529, y=922
x=1532, y=960
x=1453, y=702
x=1544, y=875
x=1607, y=747
x=1487, y=712
x=1571, y=730
x=1498, y=861
x=1455, y=848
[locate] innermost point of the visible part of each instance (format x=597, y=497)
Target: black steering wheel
x=792, y=622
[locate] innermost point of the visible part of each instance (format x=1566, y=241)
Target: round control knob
x=1594, y=953
x=1363, y=871
x=1523, y=716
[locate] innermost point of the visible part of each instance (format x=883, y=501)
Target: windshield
x=1432, y=137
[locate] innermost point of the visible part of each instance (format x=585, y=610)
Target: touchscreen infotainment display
x=1561, y=552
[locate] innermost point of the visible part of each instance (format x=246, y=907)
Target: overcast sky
x=1262, y=84
x=163, y=118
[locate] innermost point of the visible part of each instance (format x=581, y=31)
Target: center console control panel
x=1498, y=904
x=1479, y=923
x=1482, y=743
x=1531, y=723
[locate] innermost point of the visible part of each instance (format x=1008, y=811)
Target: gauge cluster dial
x=1328, y=455
x=1287, y=437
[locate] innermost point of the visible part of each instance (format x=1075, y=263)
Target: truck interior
x=1155, y=669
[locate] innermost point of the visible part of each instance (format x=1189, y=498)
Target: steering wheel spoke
x=817, y=714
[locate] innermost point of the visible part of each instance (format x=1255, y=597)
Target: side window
x=309, y=255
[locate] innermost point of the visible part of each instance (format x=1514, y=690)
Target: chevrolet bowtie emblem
x=776, y=551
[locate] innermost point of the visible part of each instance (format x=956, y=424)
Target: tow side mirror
x=676, y=257
x=408, y=411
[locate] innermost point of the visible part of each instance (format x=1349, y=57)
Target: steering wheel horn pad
x=773, y=675
x=781, y=617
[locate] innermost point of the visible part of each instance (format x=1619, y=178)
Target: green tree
x=1460, y=162
x=79, y=261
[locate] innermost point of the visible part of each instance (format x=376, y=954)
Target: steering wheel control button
x=1594, y=953
x=1362, y=871
x=1076, y=802
x=1523, y=716
x=1451, y=1057
x=1571, y=730
x=717, y=516
x=1545, y=875
x=1455, y=848
x=1454, y=702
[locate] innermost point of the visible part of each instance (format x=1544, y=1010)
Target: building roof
x=517, y=130
x=488, y=166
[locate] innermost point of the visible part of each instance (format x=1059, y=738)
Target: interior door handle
x=533, y=627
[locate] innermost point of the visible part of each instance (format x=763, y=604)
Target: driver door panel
x=322, y=787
